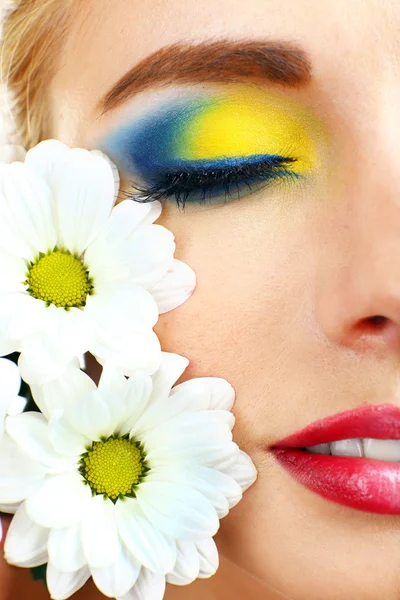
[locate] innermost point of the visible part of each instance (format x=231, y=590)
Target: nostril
x=377, y=321
x=376, y=333
x=374, y=324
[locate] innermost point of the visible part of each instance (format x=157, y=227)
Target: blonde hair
x=32, y=35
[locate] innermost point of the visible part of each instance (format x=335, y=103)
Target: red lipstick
x=362, y=483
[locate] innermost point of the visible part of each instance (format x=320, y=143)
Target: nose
x=358, y=289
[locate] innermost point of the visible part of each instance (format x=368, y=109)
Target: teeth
x=382, y=449
x=320, y=449
x=347, y=448
x=368, y=447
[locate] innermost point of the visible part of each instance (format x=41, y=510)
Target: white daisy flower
x=77, y=274
x=10, y=382
x=10, y=403
x=135, y=479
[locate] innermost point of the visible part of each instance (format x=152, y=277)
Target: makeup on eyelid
x=241, y=128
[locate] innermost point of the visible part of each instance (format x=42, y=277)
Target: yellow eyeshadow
x=251, y=122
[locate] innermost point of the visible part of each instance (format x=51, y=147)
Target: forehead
x=352, y=45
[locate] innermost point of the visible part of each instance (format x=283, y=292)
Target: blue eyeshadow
x=150, y=144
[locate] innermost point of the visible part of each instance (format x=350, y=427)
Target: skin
x=304, y=271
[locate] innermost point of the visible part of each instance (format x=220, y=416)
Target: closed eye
x=213, y=181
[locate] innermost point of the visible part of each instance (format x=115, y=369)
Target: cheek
x=252, y=268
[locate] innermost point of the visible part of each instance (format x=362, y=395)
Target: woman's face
x=291, y=276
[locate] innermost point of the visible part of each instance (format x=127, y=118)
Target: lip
x=361, y=483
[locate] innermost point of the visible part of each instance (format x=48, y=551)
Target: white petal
x=30, y=374
x=65, y=439
x=7, y=345
x=209, y=559
x=10, y=380
x=112, y=382
x=15, y=492
x=213, y=480
x=187, y=564
x=199, y=436
x=72, y=331
x=47, y=353
x=124, y=316
x=83, y=188
x=19, y=474
x=121, y=310
x=17, y=406
x=113, y=168
x=127, y=398
x=60, y=502
x=193, y=395
x=59, y=393
x=158, y=414
x=107, y=261
x=10, y=237
x=26, y=542
x=82, y=361
x=171, y=368
x=174, y=288
x=219, y=421
x=26, y=211
x=143, y=213
x=9, y=509
x=129, y=353
x=44, y=156
x=146, y=543
x=13, y=273
x=63, y=585
x=205, y=452
x=100, y=533
x=22, y=315
x=178, y=510
x=225, y=461
x=242, y=470
x=221, y=490
x=153, y=214
x=117, y=579
x=148, y=587
x=219, y=393
x=91, y=416
x=150, y=251
x=108, y=257
x=125, y=218
x=65, y=548
x=135, y=401
x=30, y=431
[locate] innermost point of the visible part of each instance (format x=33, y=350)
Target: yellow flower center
x=59, y=278
x=114, y=467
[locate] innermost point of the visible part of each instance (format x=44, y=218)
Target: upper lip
x=378, y=422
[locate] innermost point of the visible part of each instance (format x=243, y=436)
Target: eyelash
x=181, y=184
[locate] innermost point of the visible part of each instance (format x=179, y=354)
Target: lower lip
x=362, y=483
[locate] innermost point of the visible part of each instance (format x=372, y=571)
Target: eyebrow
x=219, y=62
